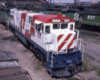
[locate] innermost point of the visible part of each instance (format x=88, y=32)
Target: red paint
x=38, y=35
x=71, y=43
x=59, y=37
x=48, y=18
x=63, y=43
x=27, y=34
x=32, y=30
x=23, y=16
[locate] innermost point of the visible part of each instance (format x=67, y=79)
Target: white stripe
x=23, y=31
x=72, y=46
x=76, y=17
x=75, y=14
x=32, y=38
x=62, y=39
x=68, y=42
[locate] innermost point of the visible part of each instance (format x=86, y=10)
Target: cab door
x=47, y=33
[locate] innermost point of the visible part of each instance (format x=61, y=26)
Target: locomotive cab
x=58, y=35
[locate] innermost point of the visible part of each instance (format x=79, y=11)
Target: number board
x=91, y=17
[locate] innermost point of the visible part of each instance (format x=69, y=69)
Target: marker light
x=59, y=14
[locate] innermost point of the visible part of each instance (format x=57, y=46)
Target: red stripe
x=63, y=43
x=59, y=37
x=48, y=18
x=39, y=35
x=71, y=43
x=23, y=16
x=32, y=30
x=27, y=34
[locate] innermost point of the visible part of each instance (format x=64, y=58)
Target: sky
x=70, y=1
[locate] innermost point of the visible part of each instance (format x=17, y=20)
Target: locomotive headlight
x=66, y=20
x=56, y=20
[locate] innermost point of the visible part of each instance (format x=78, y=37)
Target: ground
x=29, y=62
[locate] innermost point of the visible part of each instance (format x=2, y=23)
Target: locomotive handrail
x=77, y=33
x=80, y=46
x=47, y=51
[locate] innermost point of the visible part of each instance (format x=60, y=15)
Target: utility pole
x=8, y=2
x=50, y=1
x=75, y=2
x=30, y=1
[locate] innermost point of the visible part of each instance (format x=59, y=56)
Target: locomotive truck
x=53, y=39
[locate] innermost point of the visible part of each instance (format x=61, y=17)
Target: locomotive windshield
x=58, y=26
x=64, y=26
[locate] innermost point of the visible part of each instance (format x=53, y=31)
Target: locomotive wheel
x=50, y=74
x=27, y=45
x=82, y=26
x=43, y=59
x=77, y=69
x=37, y=54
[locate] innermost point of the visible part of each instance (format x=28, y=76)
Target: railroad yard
x=50, y=41
x=29, y=62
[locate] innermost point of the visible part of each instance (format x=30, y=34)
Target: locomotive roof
x=48, y=18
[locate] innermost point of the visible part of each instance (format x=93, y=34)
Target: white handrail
x=80, y=46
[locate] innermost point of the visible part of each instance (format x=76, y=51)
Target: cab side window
x=42, y=27
x=71, y=27
x=39, y=28
x=47, y=29
x=30, y=20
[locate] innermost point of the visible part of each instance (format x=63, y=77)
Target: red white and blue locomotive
x=53, y=38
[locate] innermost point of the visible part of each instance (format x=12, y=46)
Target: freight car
x=53, y=38
x=91, y=19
